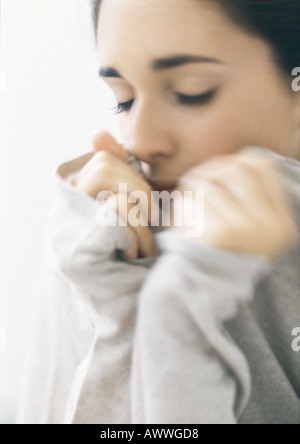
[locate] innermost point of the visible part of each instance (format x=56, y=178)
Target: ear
x=104, y=141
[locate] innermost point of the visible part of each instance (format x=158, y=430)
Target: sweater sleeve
x=84, y=250
x=186, y=367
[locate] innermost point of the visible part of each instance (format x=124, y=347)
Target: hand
x=104, y=172
x=246, y=208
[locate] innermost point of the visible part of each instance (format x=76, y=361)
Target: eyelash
x=201, y=99
x=122, y=107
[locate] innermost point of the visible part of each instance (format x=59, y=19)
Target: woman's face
x=191, y=85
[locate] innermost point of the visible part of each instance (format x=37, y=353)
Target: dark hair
x=95, y=4
x=276, y=21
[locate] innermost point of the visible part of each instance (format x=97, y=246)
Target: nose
x=147, y=132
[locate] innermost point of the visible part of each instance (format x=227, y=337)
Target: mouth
x=169, y=189
x=160, y=187
x=157, y=181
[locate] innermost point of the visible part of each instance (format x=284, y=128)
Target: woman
x=143, y=325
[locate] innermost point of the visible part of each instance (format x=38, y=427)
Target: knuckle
x=102, y=156
x=261, y=164
x=102, y=169
x=247, y=164
x=213, y=179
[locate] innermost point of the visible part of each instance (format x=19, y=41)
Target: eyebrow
x=164, y=63
x=179, y=60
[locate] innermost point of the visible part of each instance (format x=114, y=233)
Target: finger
x=212, y=218
x=86, y=174
x=132, y=252
x=122, y=178
x=104, y=141
x=137, y=223
x=214, y=164
x=270, y=174
x=259, y=185
x=259, y=175
x=254, y=180
x=263, y=171
x=141, y=195
x=218, y=199
x=99, y=163
x=105, y=172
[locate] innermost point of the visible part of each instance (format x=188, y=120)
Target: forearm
x=85, y=255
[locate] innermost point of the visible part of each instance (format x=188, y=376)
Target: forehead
x=159, y=25
x=133, y=32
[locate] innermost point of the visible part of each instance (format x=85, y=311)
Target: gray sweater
x=199, y=335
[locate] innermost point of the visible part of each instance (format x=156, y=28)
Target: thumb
x=104, y=141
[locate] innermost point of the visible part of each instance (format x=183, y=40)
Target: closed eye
x=122, y=107
x=201, y=99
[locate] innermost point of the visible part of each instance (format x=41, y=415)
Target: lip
x=167, y=187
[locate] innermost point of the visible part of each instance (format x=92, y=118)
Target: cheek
x=123, y=128
x=215, y=132
x=235, y=122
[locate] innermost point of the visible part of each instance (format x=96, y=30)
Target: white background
x=51, y=103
